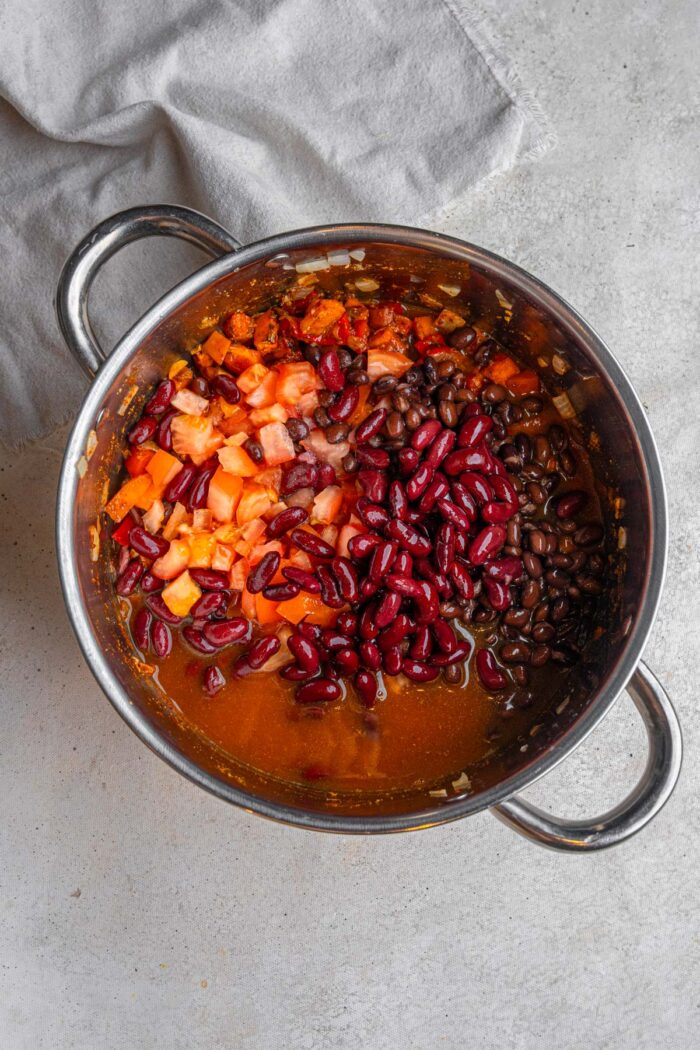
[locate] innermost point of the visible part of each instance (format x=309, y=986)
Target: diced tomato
x=251, y=378
x=301, y=559
x=224, y=493
x=258, y=552
x=265, y=332
x=217, y=346
x=239, y=574
x=430, y=345
x=264, y=394
x=137, y=460
x=271, y=479
x=235, y=460
x=173, y=562
x=190, y=403
x=359, y=333
x=319, y=318
x=202, y=519
x=329, y=533
x=121, y=533
x=253, y=503
x=202, y=546
x=308, y=607
x=361, y=408
x=340, y=333
x=294, y=379
x=222, y=558
x=163, y=468
x=501, y=369
x=128, y=496
x=270, y=414
x=239, y=326
x=386, y=362
x=307, y=404
x=153, y=518
x=327, y=505
x=178, y=516
x=240, y=357
x=317, y=443
x=253, y=530
x=248, y=604
x=181, y=594
x=289, y=327
x=277, y=444
x=424, y=326
x=345, y=535
x=383, y=314
x=525, y=382
x=194, y=436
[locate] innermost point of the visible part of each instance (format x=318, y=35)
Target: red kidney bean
x=461, y=543
x=374, y=483
x=329, y=588
x=286, y=520
x=158, y=607
x=419, y=672
x=387, y=610
x=440, y=448
x=363, y=544
x=498, y=513
x=333, y=641
x=425, y=434
x=492, y=677
x=465, y=459
x=141, y=629
x=346, y=660
x=393, y=661
x=303, y=579
x=161, y=639
x=486, y=543
x=369, y=587
x=225, y=632
x=241, y=668
x=312, y=544
x=472, y=409
x=382, y=559
x=326, y=475
x=164, y=394
x=330, y=371
x=262, y=573
x=456, y=656
x=197, y=498
x=403, y=565
x=347, y=402
x=459, y=574
x=396, y=632
x=300, y=475
x=347, y=623
x=312, y=631
x=366, y=686
x=294, y=673
x=319, y=691
x=281, y=592
x=497, y=593
x=210, y=579
x=210, y=603
x=373, y=457
x=454, y=515
x=346, y=576
x=164, y=438
x=370, y=426
x=571, y=503
x=370, y=655
x=142, y=431
x=422, y=645
x=444, y=636
x=194, y=637
x=504, y=491
x=145, y=543
x=398, y=500
x=478, y=486
x=305, y=653
x=371, y=514
x=408, y=461
x=474, y=431
x=439, y=581
x=419, y=481
x=409, y=538
x=127, y=580
x=506, y=569
x=213, y=680
x=437, y=489
x=150, y=583
x=421, y=592
x=262, y=651
x=178, y=488
x=445, y=547
x=226, y=387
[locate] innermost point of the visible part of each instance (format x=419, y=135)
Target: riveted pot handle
x=106, y=239
x=640, y=806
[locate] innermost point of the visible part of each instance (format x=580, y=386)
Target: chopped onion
x=312, y=265
x=462, y=783
x=339, y=258
x=564, y=407
x=560, y=365
x=452, y=290
x=502, y=300
x=357, y=254
x=366, y=284
x=94, y=534
x=621, y=538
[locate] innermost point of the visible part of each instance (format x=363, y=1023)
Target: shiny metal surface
x=595, y=384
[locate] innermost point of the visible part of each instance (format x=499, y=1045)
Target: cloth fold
x=265, y=114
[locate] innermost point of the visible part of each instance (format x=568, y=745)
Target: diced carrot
x=252, y=377
x=277, y=444
x=424, y=326
x=327, y=505
x=386, y=362
x=270, y=414
x=265, y=610
x=501, y=369
x=309, y=607
x=137, y=461
x=265, y=332
x=239, y=326
x=253, y=503
x=264, y=394
x=235, y=460
x=224, y=493
x=181, y=594
x=320, y=316
x=239, y=574
x=195, y=436
x=173, y=562
x=217, y=346
x=177, y=369
x=222, y=558
x=163, y=468
x=294, y=379
x=448, y=321
x=177, y=517
x=202, y=546
x=248, y=604
x=525, y=382
x=128, y=496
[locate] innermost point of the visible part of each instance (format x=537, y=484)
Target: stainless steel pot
x=526, y=316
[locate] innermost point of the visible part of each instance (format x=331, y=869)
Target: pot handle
x=640, y=806
x=104, y=241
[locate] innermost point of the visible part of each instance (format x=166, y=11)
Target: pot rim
x=570, y=320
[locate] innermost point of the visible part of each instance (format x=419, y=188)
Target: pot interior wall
x=497, y=305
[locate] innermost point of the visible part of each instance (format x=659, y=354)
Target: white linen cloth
x=265, y=114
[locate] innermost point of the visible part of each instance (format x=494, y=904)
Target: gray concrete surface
x=139, y=912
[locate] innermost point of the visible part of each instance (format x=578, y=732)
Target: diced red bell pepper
x=137, y=461
x=121, y=533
